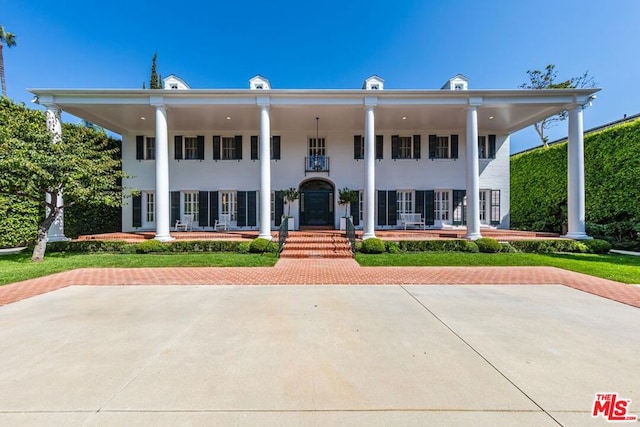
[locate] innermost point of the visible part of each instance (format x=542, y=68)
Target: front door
x=316, y=207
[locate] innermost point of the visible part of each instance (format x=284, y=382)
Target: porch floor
x=457, y=233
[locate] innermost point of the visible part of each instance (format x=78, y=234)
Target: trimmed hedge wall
x=612, y=174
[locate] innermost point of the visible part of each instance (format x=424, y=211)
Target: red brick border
x=324, y=272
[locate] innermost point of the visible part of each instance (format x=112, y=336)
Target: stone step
x=316, y=245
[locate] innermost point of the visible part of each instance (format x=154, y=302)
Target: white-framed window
x=150, y=207
x=495, y=207
x=482, y=202
x=483, y=149
x=442, y=147
x=190, y=148
x=228, y=148
x=229, y=204
x=404, y=201
x=442, y=205
x=404, y=147
x=150, y=148
x=190, y=204
x=173, y=86
x=317, y=147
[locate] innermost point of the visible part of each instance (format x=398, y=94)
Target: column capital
x=474, y=102
x=370, y=101
x=157, y=101
x=263, y=102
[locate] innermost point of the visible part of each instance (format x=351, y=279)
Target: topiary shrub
x=488, y=245
x=392, y=247
x=149, y=246
x=373, y=246
x=261, y=245
x=597, y=246
x=507, y=248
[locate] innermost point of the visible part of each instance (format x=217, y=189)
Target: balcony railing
x=316, y=164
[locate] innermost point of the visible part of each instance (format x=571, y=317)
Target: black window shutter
x=357, y=146
x=200, y=139
x=432, y=146
x=139, y=147
x=203, y=208
x=458, y=202
x=275, y=155
x=242, y=208
x=419, y=202
x=492, y=146
x=175, y=206
x=392, y=207
x=279, y=208
x=429, y=207
x=254, y=147
x=454, y=146
x=379, y=146
x=213, y=207
x=355, y=209
x=416, y=146
x=394, y=146
x=382, y=207
x=216, y=148
x=238, y=147
x=136, y=204
x=177, y=145
x=252, y=208
x=495, y=207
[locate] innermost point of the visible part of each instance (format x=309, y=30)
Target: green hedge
x=146, y=246
x=612, y=173
x=438, y=246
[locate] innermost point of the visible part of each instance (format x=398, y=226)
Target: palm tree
x=10, y=40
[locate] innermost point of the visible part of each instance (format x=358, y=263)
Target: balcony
x=316, y=164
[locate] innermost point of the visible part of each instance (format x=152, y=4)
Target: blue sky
x=328, y=44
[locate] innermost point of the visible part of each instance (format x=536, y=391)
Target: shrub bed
x=146, y=246
x=488, y=245
x=438, y=246
x=373, y=246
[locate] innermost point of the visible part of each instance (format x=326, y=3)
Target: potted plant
x=289, y=196
x=346, y=196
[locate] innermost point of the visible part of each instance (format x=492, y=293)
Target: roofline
x=329, y=92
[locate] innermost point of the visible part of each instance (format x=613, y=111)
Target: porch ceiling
x=132, y=111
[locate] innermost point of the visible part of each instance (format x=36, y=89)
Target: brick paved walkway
x=322, y=271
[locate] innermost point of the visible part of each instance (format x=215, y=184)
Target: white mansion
x=442, y=155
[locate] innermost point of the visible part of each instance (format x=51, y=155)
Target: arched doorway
x=316, y=202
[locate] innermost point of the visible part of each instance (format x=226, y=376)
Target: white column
x=369, y=173
x=163, y=206
x=265, y=172
x=473, y=175
x=54, y=124
x=575, y=176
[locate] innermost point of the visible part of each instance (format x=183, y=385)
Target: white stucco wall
x=289, y=171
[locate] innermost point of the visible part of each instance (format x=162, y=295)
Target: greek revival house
x=441, y=155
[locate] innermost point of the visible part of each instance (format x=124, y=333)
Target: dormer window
x=173, y=86
x=259, y=83
x=373, y=83
x=375, y=87
x=259, y=86
x=458, y=86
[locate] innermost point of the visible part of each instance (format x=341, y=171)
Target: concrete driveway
x=396, y=355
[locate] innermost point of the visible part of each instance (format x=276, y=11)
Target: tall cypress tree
x=154, y=83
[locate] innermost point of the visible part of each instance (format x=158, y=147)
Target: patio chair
x=185, y=224
x=224, y=221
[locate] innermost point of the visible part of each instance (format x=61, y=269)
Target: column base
x=366, y=236
x=265, y=236
x=58, y=238
x=473, y=236
x=577, y=235
x=165, y=238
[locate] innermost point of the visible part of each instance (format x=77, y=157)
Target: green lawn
x=14, y=268
x=621, y=268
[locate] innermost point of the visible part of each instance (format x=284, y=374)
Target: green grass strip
x=621, y=268
x=14, y=268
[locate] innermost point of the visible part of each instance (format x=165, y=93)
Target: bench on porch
x=412, y=219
